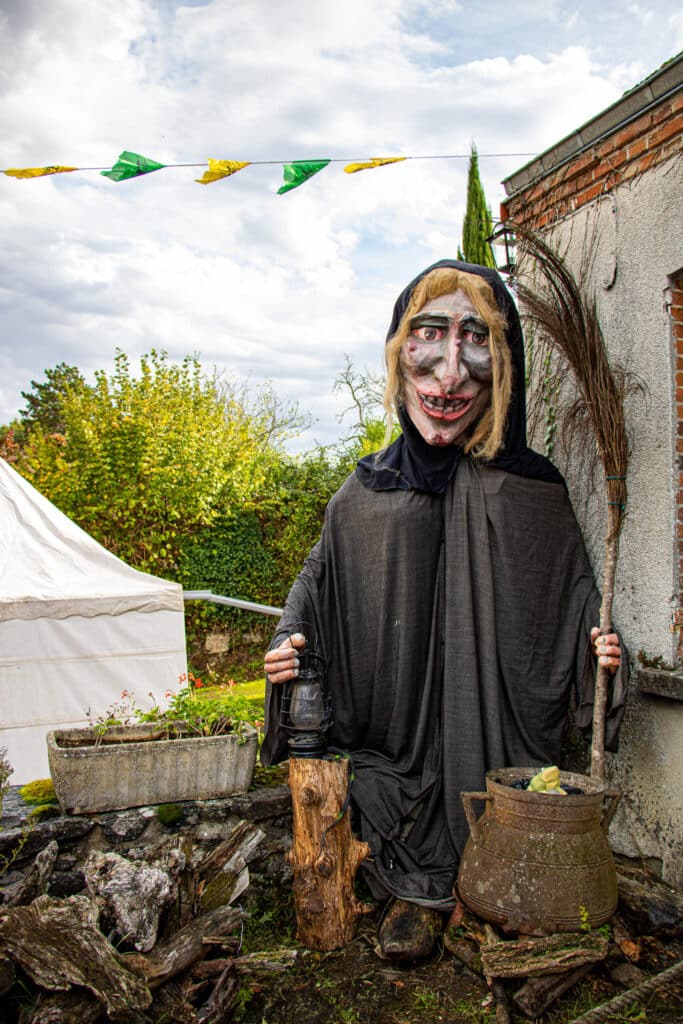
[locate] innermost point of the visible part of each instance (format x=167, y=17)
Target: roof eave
x=667, y=80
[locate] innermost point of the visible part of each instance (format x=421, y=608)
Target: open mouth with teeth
x=445, y=408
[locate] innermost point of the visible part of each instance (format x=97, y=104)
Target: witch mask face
x=446, y=368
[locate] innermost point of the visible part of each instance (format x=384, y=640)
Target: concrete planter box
x=140, y=769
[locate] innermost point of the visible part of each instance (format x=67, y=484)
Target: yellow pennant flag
x=36, y=172
x=221, y=169
x=376, y=162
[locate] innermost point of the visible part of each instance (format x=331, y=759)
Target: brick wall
x=649, y=140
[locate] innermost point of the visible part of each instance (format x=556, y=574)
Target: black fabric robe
x=455, y=626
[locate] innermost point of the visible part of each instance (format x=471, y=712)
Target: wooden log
x=273, y=962
x=220, y=877
x=176, y=855
x=58, y=944
x=464, y=951
x=204, y=969
x=216, y=1009
x=324, y=856
x=7, y=975
x=231, y=944
x=500, y=993
x=172, y=1004
x=613, y=1009
x=72, y=1007
x=626, y=974
x=132, y=895
x=650, y=905
x=36, y=879
x=185, y=948
x=551, y=954
x=223, y=875
x=621, y=936
x=540, y=992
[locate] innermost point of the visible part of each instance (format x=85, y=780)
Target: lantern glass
x=306, y=705
x=305, y=714
x=503, y=236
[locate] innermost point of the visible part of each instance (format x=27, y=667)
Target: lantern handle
x=312, y=647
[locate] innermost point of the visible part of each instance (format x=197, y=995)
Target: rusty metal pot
x=538, y=861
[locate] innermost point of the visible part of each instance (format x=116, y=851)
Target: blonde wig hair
x=488, y=433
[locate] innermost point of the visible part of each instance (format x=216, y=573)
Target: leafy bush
x=145, y=461
x=292, y=514
x=230, y=558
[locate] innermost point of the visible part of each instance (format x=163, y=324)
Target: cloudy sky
x=269, y=287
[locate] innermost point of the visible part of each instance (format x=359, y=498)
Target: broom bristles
x=559, y=312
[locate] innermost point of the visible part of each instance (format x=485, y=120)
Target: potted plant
x=202, y=745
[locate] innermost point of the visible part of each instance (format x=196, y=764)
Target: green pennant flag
x=297, y=173
x=131, y=165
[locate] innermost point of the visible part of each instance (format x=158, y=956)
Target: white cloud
x=266, y=286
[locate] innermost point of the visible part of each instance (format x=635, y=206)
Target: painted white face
x=446, y=367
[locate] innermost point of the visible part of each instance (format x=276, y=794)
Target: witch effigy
x=450, y=593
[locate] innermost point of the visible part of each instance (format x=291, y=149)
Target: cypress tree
x=478, y=223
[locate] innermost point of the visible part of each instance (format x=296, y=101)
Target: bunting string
x=295, y=172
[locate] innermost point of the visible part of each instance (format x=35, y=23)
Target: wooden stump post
x=324, y=863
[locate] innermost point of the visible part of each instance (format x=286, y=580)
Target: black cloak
x=452, y=600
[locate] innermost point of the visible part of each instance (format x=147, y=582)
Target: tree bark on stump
x=37, y=878
x=552, y=954
x=324, y=856
x=182, y=950
x=59, y=945
x=652, y=906
x=500, y=993
x=76, y=1006
x=7, y=975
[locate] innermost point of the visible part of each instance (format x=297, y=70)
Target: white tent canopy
x=77, y=627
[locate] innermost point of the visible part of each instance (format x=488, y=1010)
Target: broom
x=566, y=319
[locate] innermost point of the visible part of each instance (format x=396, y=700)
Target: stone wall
x=135, y=832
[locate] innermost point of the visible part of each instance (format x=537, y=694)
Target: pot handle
x=613, y=796
x=467, y=799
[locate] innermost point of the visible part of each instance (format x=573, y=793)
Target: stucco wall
x=632, y=241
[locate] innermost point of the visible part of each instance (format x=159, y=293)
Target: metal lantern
x=503, y=235
x=306, y=710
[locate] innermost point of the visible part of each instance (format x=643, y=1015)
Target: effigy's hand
x=607, y=649
x=282, y=663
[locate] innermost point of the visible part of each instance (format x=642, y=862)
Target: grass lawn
x=255, y=690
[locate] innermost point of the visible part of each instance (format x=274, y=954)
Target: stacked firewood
x=151, y=939
x=527, y=974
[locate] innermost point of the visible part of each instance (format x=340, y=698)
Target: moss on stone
x=169, y=814
x=40, y=791
x=43, y=811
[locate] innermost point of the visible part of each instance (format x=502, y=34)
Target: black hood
x=410, y=463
